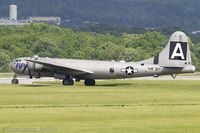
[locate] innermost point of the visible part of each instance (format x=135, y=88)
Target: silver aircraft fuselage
x=99, y=69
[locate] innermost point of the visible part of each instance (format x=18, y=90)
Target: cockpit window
x=17, y=60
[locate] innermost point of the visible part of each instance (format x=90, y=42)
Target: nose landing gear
x=15, y=80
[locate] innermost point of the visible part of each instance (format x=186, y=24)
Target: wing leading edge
x=59, y=67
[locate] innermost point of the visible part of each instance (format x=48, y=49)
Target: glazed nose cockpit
x=19, y=66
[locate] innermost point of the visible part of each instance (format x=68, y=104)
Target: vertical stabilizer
x=175, y=54
x=177, y=51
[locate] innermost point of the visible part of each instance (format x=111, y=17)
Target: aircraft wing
x=60, y=68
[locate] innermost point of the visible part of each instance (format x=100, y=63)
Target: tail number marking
x=178, y=51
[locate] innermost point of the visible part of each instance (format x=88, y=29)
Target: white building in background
x=13, y=21
x=49, y=20
x=13, y=12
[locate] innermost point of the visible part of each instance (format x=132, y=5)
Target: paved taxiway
x=25, y=80
x=31, y=81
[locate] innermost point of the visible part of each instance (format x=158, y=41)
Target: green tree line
x=52, y=41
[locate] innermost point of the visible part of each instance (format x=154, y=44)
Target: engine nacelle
x=35, y=67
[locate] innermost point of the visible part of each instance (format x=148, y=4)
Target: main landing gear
x=15, y=80
x=68, y=82
x=90, y=82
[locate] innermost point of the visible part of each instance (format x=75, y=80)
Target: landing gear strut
x=90, y=82
x=174, y=76
x=68, y=82
x=15, y=80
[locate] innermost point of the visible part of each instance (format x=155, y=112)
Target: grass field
x=191, y=74
x=110, y=107
x=6, y=75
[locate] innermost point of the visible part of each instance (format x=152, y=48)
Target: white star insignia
x=129, y=70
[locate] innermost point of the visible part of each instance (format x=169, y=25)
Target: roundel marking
x=129, y=70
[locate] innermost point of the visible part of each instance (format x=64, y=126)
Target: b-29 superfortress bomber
x=174, y=59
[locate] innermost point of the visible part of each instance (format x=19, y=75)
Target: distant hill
x=134, y=13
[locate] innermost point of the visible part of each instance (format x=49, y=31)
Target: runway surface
x=24, y=80
x=31, y=81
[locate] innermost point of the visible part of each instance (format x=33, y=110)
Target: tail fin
x=175, y=54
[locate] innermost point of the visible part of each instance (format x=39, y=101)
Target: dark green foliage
x=119, y=29
x=112, y=29
x=4, y=59
x=51, y=41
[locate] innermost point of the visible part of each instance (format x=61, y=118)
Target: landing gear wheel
x=68, y=82
x=90, y=82
x=15, y=81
